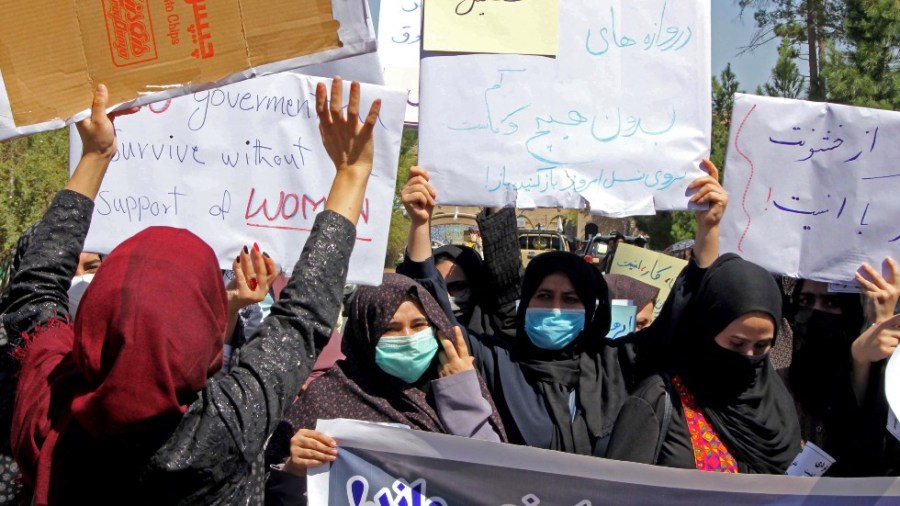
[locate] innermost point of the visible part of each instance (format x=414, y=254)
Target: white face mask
x=76, y=291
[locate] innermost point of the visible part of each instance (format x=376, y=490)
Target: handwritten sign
x=399, y=39
x=813, y=187
x=618, y=122
x=492, y=26
x=651, y=267
x=243, y=164
x=811, y=462
x=624, y=314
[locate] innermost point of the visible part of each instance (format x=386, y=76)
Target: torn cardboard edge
x=356, y=34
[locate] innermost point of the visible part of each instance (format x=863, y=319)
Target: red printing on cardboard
x=130, y=31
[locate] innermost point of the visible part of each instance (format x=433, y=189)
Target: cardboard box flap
x=52, y=52
x=298, y=28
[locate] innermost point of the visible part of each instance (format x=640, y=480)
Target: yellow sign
x=651, y=267
x=492, y=26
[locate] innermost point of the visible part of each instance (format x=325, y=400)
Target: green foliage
x=785, y=81
x=723, y=89
x=397, y=236
x=32, y=170
x=666, y=228
x=865, y=71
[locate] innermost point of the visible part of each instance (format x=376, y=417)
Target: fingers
x=371, y=119
x=448, y=347
x=322, y=105
x=865, y=283
x=893, y=277
x=353, y=107
x=259, y=267
x=124, y=112
x=420, y=192
x=238, y=269
x=337, y=100
x=875, y=276
x=462, y=348
x=98, y=107
x=710, y=169
x=271, y=269
x=416, y=171
x=314, y=439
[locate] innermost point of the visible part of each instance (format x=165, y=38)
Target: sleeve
x=636, y=433
x=284, y=488
x=223, y=432
x=502, y=257
x=461, y=407
x=38, y=291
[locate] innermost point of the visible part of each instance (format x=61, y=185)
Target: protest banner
x=399, y=39
x=390, y=466
x=618, y=121
x=813, y=187
x=623, y=321
x=651, y=267
x=243, y=164
x=151, y=51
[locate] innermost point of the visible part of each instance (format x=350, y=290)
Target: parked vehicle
x=535, y=242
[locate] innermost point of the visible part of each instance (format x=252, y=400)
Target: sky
x=729, y=34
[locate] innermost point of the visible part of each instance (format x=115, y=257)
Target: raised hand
x=881, y=294
x=709, y=191
x=254, y=273
x=455, y=356
x=418, y=196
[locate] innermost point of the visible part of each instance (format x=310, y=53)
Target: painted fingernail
x=266, y=255
x=256, y=246
x=237, y=258
x=246, y=250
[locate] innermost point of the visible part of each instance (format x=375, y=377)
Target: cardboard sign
x=55, y=51
x=617, y=122
x=477, y=26
x=813, y=187
x=651, y=267
x=243, y=164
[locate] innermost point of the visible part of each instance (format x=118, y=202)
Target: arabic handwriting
x=817, y=143
x=609, y=37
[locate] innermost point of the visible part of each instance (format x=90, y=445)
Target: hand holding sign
x=709, y=191
x=455, y=356
x=418, y=195
x=254, y=273
x=310, y=448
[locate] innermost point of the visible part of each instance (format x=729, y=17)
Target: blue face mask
x=553, y=329
x=407, y=357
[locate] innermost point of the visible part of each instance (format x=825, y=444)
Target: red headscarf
x=148, y=335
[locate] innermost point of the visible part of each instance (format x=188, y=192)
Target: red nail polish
x=256, y=246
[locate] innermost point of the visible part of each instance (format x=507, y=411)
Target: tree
x=786, y=81
x=865, y=71
x=32, y=170
x=806, y=24
x=723, y=89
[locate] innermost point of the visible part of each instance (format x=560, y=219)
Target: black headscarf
x=587, y=366
x=741, y=396
x=468, y=260
x=821, y=348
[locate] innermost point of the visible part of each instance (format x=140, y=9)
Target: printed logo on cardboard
x=130, y=31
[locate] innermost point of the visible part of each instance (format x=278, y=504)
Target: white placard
x=619, y=120
x=813, y=186
x=892, y=391
x=812, y=461
x=399, y=39
x=243, y=164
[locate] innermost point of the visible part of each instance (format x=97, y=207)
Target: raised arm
x=228, y=425
x=709, y=191
x=38, y=290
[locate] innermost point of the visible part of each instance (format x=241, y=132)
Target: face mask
x=724, y=374
x=407, y=357
x=459, y=305
x=553, y=329
x=76, y=291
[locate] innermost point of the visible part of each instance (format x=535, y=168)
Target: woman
x=393, y=373
x=558, y=384
x=721, y=407
x=120, y=407
x=836, y=370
